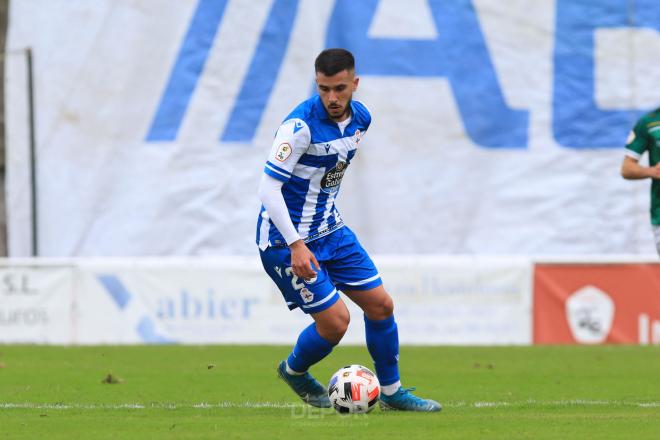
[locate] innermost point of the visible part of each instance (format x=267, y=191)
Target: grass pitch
x=184, y=392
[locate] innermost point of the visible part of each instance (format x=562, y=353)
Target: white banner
x=498, y=128
x=460, y=300
x=204, y=301
x=36, y=304
x=182, y=301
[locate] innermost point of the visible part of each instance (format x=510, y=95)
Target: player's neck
x=344, y=116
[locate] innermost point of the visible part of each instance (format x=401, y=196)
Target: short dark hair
x=332, y=61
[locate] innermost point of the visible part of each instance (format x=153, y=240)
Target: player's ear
x=356, y=80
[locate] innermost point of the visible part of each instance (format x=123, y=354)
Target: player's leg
x=353, y=271
x=314, y=343
x=382, y=336
x=320, y=299
x=318, y=339
x=381, y=333
x=355, y=274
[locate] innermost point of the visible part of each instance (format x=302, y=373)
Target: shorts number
x=294, y=280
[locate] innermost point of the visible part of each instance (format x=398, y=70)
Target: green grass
x=183, y=392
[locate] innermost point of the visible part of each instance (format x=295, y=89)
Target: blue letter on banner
x=459, y=53
x=187, y=68
x=577, y=122
x=260, y=79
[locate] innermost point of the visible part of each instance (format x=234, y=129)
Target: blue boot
x=306, y=387
x=404, y=400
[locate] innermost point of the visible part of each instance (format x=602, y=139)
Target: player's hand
x=303, y=261
x=654, y=172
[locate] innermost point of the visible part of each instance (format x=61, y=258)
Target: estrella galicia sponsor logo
x=590, y=313
x=332, y=178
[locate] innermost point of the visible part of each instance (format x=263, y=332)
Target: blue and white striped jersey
x=310, y=155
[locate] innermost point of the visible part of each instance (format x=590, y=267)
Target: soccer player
x=645, y=136
x=306, y=248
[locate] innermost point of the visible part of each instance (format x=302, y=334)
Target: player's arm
x=270, y=193
x=632, y=170
x=637, y=143
x=291, y=142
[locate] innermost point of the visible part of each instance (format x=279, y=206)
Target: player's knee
x=333, y=334
x=382, y=309
x=332, y=328
x=340, y=324
x=388, y=307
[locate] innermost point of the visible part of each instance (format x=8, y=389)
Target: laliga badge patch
x=283, y=152
x=358, y=136
x=631, y=137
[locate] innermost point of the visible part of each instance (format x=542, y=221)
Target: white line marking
x=549, y=403
x=284, y=405
x=489, y=404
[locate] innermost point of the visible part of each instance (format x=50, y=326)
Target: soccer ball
x=354, y=389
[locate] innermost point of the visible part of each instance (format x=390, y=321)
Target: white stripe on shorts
x=368, y=280
x=318, y=303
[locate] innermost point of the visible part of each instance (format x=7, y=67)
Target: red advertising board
x=597, y=303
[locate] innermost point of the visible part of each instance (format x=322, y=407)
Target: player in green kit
x=645, y=136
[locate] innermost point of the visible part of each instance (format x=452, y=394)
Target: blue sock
x=383, y=345
x=309, y=349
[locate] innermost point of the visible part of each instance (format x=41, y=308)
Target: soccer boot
x=404, y=400
x=305, y=386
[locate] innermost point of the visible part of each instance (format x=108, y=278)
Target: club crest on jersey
x=307, y=295
x=332, y=178
x=283, y=152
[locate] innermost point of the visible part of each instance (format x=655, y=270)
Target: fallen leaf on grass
x=112, y=379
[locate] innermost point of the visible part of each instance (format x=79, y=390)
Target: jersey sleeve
x=637, y=141
x=291, y=141
x=364, y=115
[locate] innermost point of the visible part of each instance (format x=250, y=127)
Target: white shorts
x=656, y=232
